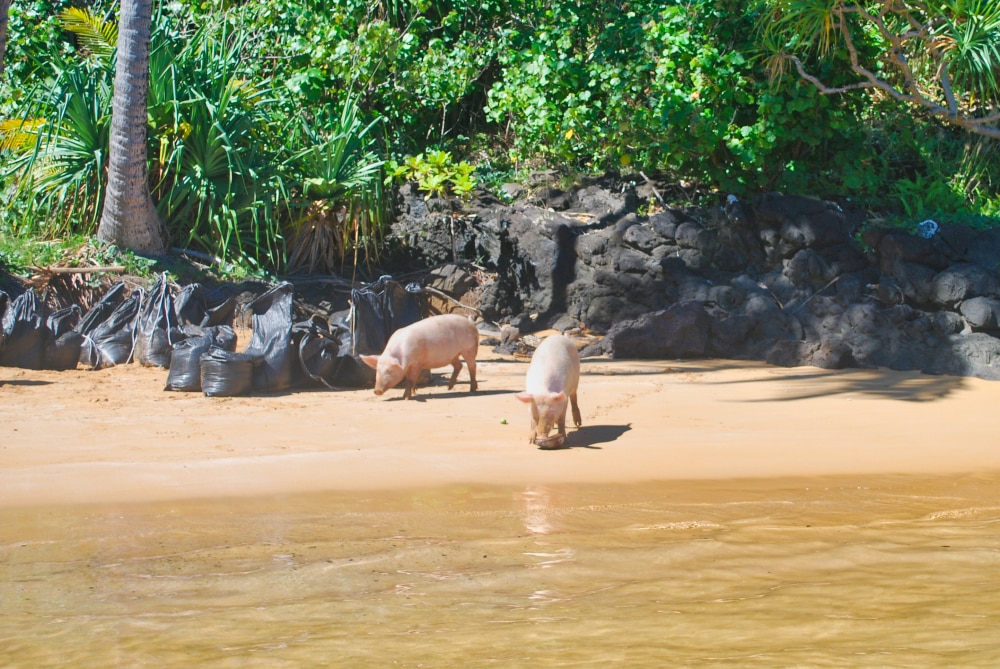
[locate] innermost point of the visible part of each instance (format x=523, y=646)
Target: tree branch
x=949, y=109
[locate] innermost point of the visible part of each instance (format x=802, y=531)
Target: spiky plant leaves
x=969, y=35
x=340, y=168
x=61, y=160
x=218, y=187
x=318, y=245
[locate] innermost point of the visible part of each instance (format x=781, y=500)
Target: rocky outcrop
x=787, y=279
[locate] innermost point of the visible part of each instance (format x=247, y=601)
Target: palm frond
x=970, y=39
x=95, y=34
x=17, y=136
x=809, y=24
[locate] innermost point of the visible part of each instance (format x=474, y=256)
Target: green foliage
x=22, y=254
x=653, y=85
x=217, y=189
x=420, y=66
x=339, y=175
x=971, y=35
x=436, y=173
x=269, y=119
x=34, y=40
x=57, y=149
x=341, y=165
x=939, y=58
x=94, y=35
x=950, y=182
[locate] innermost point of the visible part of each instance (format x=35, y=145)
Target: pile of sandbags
x=189, y=331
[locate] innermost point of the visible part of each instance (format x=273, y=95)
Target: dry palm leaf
x=318, y=241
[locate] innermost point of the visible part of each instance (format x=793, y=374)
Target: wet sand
x=115, y=435
x=708, y=513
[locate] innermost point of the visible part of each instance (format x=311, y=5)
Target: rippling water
x=879, y=572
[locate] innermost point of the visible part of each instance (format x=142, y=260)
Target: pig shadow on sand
x=23, y=382
x=592, y=436
x=422, y=393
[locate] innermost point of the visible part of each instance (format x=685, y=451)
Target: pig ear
x=370, y=360
x=558, y=397
x=525, y=397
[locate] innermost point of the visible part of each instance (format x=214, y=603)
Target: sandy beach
x=116, y=435
x=707, y=513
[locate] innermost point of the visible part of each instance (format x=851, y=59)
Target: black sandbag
x=351, y=372
x=89, y=353
x=367, y=320
x=227, y=374
x=4, y=304
x=401, y=305
x=220, y=306
x=62, y=352
x=319, y=352
x=185, y=359
x=189, y=305
x=103, y=309
x=196, y=305
x=25, y=333
x=271, y=338
x=377, y=310
x=156, y=327
x=110, y=341
x=224, y=336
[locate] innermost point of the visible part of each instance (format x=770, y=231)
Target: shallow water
x=861, y=571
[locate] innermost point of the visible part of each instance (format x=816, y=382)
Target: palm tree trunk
x=4, y=13
x=129, y=218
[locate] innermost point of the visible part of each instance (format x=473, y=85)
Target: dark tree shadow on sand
x=906, y=385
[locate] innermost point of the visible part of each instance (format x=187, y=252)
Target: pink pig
x=427, y=344
x=553, y=376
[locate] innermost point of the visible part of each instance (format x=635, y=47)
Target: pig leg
x=533, y=428
x=470, y=362
x=528, y=398
x=410, y=384
x=456, y=366
x=576, y=410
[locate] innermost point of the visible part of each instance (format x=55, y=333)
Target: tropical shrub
x=338, y=176
x=259, y=110
x=925, y=74
x=216, y=182
x=57, y=147
x=436, y=173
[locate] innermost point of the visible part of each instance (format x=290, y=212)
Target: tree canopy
x=278, y=126
x=942, y=58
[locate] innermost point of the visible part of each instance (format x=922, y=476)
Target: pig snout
x=551, y=410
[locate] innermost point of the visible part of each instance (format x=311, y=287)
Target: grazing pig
x=552, y=378
x=429, y=343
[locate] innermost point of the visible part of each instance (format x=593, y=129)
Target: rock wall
x=786, y=279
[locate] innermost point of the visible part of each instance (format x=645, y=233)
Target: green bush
x=436, y=173
x=248, y=101
x=57, y=146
